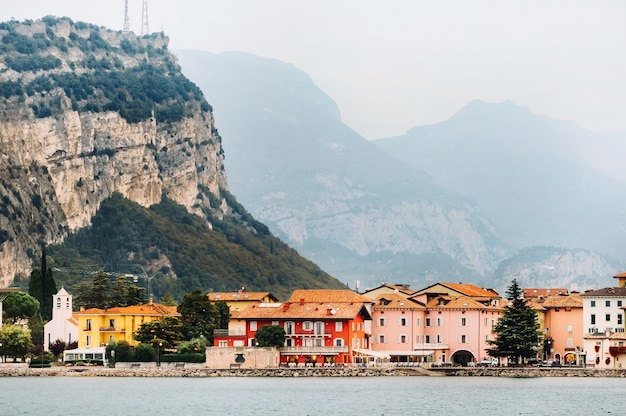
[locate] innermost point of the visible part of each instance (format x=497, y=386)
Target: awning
x=377, y=354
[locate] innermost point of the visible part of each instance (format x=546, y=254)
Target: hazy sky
x=392, y=65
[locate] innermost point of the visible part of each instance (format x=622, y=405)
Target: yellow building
x=99, y=327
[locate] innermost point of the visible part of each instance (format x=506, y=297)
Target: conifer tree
x=517, y=330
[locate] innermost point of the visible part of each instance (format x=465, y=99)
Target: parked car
x=488, y=362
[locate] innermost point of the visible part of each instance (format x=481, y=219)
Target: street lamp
x=159, y=354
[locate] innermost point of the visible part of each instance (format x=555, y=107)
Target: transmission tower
x=126, y=21
x=145, y=29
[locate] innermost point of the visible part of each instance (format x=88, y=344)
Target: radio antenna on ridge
x=126, y=20
x=145, y=29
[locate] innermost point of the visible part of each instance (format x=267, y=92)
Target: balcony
x=314, y=350
x=430, y=346
x=111, y=329
x=226, y=333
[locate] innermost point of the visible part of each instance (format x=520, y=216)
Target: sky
x=396, y=64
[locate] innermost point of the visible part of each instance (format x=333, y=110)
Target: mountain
x=335, y=197
x=530, y=174
x=91, y=118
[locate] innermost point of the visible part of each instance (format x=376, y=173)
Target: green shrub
x=184, y=358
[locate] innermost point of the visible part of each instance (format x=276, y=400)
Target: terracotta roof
x=563, y=301
x=620, y=275
x=147, y=309
x=395, y=301
x=457, y=302
x=607, y=292
x=469, y=289
x=543, y=292
x=309, y=310
x=328, y=296
x=240, y=295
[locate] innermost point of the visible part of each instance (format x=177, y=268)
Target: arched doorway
x=462, y=357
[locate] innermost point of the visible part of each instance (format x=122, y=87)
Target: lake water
x=74, y=396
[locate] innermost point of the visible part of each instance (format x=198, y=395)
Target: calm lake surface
x=69, y=396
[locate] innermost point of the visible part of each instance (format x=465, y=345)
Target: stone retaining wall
x=306, y=372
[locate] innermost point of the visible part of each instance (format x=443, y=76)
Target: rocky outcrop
x=64, y=153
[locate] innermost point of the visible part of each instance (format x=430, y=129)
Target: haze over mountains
x=453, y=201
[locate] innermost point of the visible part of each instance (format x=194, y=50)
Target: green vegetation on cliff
x=182, y=252
x=93, y=76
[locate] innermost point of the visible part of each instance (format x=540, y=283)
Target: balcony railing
x=430, y=346
x=314, y=349
x=227, y=333
x=111, y=329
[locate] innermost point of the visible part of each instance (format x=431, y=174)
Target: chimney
x=329, y=311
x=286, y=306
x=301, y=301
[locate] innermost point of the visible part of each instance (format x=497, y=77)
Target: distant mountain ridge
x=364, y=216
x=330, y=193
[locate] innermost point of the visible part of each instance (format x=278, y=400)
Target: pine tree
x=517, y=331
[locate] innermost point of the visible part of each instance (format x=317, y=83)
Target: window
x=462, y=321
x=319, y=342
x=439, y=321
x=339, y=342
x=402, y=339
x=67, y=303
x=426, y=339
x=381, y=339
x=222, y=344
x=253, y=325
x=570, y=343
x=427, y=322
x=58, y=303
x=275, y=323
x=289, y=328
x=438, y=337
x=619, y=319
x=607, y=317
x=111, y=323
x=607, y=303
x=569, y=329
x=486, y=321
x=593, y=303
x=338, y=326
x=402, y=322
x=88, y=325
x=319, y=327
x=619, y=303
x=308, y=325
x=463, y=339
x=593, y=319
x=417, y=322
x=88, y=340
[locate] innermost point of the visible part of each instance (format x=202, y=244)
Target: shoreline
x=199, y=372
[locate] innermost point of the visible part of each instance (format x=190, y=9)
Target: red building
x=322, y=327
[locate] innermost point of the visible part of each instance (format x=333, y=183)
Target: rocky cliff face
x=67, y=145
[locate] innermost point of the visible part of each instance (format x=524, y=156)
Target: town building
x=235, y=335
x=563, y=328
x=99, y=327
x=603, y=324
x=322, y=327
x=64, y=325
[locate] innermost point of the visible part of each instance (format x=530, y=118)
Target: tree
x=57, y=347
x=49, y=289
x=270, y=336
x=168, y=331
x=15, y=341
x=20, y=305
x=199, y=316
x=224, y=314
x=517, y=330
